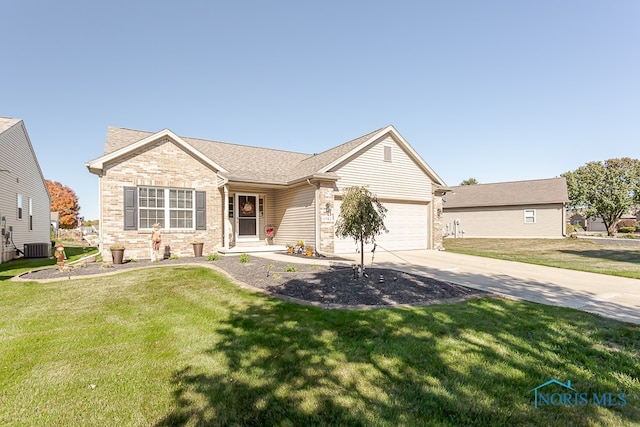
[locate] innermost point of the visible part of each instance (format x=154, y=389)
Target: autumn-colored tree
x=65, y=202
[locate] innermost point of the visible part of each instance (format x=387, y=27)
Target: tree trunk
x=361, y=256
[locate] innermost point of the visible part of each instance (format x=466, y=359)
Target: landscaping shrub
x=626, y=229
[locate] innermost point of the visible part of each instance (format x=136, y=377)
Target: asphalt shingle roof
x=539, y=191
x=248, y=163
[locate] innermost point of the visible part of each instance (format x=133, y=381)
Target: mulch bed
x=319, y=284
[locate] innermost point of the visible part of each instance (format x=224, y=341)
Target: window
x=231, y=198
x=151, y=203
x=181, y=208
x=387, y=153
x=172, y=208
x=529, y=216
x=261, y=208
x=19, y=206
x=30, y=214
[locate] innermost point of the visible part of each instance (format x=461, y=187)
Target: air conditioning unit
x=37, y=250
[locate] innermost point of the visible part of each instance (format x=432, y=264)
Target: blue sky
x=495, y=90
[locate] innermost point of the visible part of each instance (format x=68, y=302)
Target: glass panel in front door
x=247, y=220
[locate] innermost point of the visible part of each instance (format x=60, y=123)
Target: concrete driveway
x=609, y=296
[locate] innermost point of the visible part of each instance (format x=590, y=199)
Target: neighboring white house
x=24, y=199
x=229, y=195
x=534, y=208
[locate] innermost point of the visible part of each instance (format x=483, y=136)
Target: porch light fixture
x=327, y=209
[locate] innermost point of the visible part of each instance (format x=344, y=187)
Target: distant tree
x=361, y=217
x=470, y=181
x=607, y=189
x=91, y=222
x=65, y=202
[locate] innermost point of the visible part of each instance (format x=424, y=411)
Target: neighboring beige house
x=229, y=195
x=533, y=208
x=24, y=199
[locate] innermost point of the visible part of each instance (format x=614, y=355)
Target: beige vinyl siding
x=400, y=178
x=506, y=221
x=296, y=216
x=24, y=177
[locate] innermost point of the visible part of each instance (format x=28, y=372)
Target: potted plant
x=197, y=248
x=117, y=253
x=308, y=250
x=290, y=248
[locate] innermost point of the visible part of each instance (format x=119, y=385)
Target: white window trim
x=532, y=215
x=167, y=208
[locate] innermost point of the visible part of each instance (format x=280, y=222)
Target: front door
x=247, y=219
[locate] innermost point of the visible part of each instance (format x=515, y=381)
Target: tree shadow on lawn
x=618, y=255
x=471, y=363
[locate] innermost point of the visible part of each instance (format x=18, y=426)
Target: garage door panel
x=407, y=225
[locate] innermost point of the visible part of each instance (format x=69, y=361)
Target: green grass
x=184, y=346
x=573, y=254
x=22, y=265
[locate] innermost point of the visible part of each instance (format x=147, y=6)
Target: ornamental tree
x=607, y=189
x=65, y=202
x=361, y=217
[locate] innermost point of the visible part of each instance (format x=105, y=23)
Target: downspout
x=100, y=221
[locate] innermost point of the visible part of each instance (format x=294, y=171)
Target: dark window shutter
x=130, y=209
x=201, y=210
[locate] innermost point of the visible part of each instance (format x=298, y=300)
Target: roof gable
x=540, y=191
x=357, y=146
x=121, y=139
x=243, y=163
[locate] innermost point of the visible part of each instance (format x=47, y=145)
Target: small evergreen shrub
x=244, y=258
x=626, y=229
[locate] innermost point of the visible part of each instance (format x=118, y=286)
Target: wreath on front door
x=247, y=208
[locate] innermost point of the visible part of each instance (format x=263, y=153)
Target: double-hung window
x=172, y=208
x=181, y=208
x=151, y=206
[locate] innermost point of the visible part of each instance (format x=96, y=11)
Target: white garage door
x=407, y=224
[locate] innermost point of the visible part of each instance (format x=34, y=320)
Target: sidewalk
x=610, y=296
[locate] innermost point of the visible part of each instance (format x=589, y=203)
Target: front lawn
x=184, y=346
x=573, y=254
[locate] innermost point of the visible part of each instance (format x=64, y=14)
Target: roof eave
x=396, y=136
x=96, y=166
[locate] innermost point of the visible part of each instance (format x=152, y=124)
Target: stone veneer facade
x=437, y=215
x=165, y=165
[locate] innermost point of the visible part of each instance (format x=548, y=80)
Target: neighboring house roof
x=6, y=123
x=533, y=192
x=243, y=163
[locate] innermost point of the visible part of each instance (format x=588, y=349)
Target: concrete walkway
x=610, y=296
